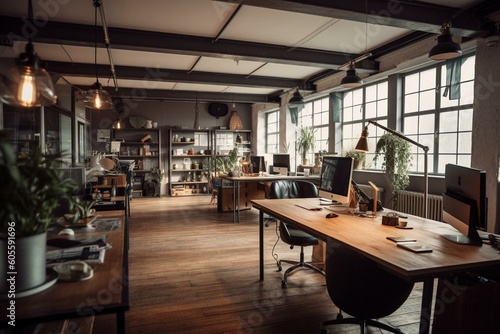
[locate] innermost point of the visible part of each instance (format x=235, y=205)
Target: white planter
x=29, y=263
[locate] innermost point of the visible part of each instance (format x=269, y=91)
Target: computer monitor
x=77, y=176
x=336, y=176
x=281, y=160
x=258, y=164
x=465, y=203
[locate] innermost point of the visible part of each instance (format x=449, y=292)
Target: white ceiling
x=205, y=18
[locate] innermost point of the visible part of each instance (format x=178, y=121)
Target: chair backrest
x=360, y=287
x=292, y=189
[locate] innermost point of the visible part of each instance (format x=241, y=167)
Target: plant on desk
x=358, y=156
x=222, y=164
x=32, y=188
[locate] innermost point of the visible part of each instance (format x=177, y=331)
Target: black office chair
x=361, y=288
x=290, y=234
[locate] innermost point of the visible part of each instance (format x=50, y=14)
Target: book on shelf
x=145, y=138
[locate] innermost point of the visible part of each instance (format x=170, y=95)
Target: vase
x=235, y=121
x=29, y=265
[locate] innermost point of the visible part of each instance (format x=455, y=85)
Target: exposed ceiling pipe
x=98, y=3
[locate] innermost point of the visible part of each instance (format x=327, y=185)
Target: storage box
x=178, y=151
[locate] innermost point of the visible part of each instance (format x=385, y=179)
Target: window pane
x=411, y=125
x=448, y=121
x=382, y=108
x=426, y=124
x=411, y=83
x=468, y=68
x=448, y=143
x=371, y=93
x=411, y=103
x=428, y=79
x=465, y=142
x=465, y=122
x=467, y=93
x=371, y=110
x=445, y=101
x=427, y=100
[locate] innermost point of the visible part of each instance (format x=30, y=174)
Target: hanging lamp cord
x=96, y=3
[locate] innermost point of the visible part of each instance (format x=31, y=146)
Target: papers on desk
x=90, y=251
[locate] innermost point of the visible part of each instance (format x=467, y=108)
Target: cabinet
x=189, y=153
x=142, y=146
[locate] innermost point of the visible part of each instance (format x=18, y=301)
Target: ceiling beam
x=189, y=96
x=138, y=40
x=169, y=75
x=414, y=15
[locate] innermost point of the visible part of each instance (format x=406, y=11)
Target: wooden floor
x=193, y=271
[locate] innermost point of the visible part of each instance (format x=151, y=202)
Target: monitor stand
x=462, y=239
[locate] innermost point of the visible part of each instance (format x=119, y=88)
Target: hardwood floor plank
x=192, y=270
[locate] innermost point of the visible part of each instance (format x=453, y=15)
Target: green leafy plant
x=305, y=141
x=222, y=164
x=358, y=156
x=84, y=207
x=397, y=161
x=32, y=188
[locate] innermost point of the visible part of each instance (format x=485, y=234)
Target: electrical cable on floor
x=273, y=253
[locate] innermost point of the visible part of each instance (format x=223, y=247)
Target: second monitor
x=281, y=161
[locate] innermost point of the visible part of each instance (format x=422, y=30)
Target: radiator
x=411, y=202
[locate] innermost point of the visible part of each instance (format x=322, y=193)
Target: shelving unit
x=189, y=149
x=225, y=140
x=143, y=146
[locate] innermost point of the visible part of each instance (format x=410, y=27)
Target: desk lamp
x=363, y=146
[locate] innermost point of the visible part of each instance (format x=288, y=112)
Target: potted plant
x=396, y=163
x=32, y=188
x=358, y=156
x=305, y=142
x=222, y=164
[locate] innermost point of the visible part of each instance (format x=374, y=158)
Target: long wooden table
x=106, y=292
x=368, y=237
x=236, y=181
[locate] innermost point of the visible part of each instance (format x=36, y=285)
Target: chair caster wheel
x=279, y=268
x=283, y=285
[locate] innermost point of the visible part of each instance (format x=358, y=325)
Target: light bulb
x=97, y=100
x=27, y=90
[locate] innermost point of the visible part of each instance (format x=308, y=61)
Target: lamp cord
x=95, y=41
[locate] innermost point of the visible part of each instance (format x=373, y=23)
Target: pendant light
x=296, y=100
x=351, y=79
x=96, y=97
x=445, y=48
x=27, y=84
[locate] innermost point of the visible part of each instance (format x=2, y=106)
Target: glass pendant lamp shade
x=27, y=84
x=351, y=79
x=97, y=98
x=445, y=47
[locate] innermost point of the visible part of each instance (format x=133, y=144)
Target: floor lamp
x=363, y=146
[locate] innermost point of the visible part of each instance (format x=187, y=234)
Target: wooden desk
x=368, y=237
x=106, y=292
x=236, y=181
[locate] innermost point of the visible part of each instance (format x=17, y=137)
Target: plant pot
x=29, y=262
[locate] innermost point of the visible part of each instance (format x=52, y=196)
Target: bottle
x=113, y=188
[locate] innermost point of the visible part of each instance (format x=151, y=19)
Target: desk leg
x=120, y=322
x=238, y=190
x=426, y=307
x=261, y=244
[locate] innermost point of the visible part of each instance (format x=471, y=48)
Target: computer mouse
x=331, y=215
x=66, y=231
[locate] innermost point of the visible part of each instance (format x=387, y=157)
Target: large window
x=360, y=105
x=431, y=118
x=316, y=115
x=272, y=132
